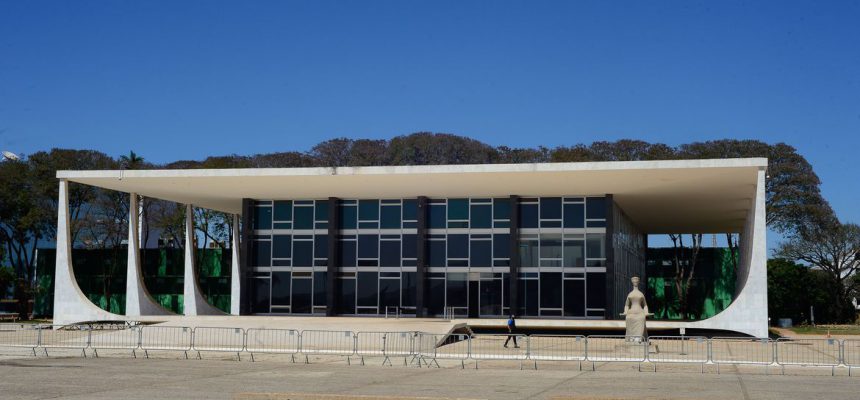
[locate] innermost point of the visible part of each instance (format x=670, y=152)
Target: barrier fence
x=424, y=349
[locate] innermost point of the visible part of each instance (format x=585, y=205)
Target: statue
x=635, y=311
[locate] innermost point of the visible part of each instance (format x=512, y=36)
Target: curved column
x=70, y=303
x=235, y=277
x=748, y=312
x=193, y=301
x=138, y=300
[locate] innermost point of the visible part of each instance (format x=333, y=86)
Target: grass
x=822, y=329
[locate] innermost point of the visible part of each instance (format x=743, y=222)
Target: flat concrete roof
x=689, y=196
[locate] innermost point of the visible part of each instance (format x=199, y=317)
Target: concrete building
x=555, y=241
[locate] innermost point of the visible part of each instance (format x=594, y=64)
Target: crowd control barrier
x=229, y=340
x=678, y=349
x=19, y=336
x=498, y=347
x=557, y=348
x=809, y=352
x=385, y=345
x=76, y=337
x=333, y=343
x=851, y=354
x=432, y=347
x=165, y=338
x=273, y=341
x=120, y=338
x=616, y=348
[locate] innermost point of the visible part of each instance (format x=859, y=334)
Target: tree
x=132, y=161
x=833, y=249
x=685, y=268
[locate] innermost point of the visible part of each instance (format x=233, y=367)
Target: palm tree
x=131, y=161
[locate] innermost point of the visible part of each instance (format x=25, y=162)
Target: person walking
x=512, y=327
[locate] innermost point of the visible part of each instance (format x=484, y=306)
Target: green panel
x=712, y=288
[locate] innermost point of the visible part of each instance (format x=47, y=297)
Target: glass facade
x=561, y=244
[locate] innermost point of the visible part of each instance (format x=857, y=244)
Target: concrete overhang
x=689, y=196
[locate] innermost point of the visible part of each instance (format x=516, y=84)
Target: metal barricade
x=736, y=351
x=808, y=352
x=64, y=337
x=117, y=338
x=498, y=347
x=384, y=344
x=851, y=353
x=616, y=348
x=334, y=343
x=678, y=349
x=221, y=339
x=165, y=338
x=557, y=348
x=19, y=336
x=273, y=341
x=430, y=347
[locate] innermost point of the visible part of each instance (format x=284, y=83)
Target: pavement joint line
x=743, y=387
x=563, y=381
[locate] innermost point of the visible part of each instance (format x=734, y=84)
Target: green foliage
x=792, y=288
x=710, y=292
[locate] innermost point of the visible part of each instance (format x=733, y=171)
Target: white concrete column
x=194, y=303
x=235, y=278
x=70, y=303
x=138, y=301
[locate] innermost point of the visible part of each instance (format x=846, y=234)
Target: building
x=555, y=240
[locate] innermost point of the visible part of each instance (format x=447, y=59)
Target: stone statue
x=635, y=311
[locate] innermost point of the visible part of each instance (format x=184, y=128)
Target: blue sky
x=183, y=80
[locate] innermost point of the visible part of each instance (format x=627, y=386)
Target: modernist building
x=554, y=241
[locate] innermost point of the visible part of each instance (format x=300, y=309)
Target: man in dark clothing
x=512, y=326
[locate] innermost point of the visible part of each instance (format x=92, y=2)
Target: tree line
x=28, y=191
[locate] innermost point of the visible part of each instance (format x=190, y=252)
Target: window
x=283, y=211
x=390, y=217
x=368, y=210
x=263, y=218
x=304, y=218
x=303, y=253
x=595, y=207
x=479, y=253
x=458, y=246
x=457, y=290
x=550, y=208
x=368, y=246
x=389, y=253
x=574, y=216
x=481, y=217
x=437, y=218
x=550, y=290
x=280, y=288
x=281, y=246
x=368, y=290
x=262, y=253
x=528, y=216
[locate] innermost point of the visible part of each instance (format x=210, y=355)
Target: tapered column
x=333, y=254
x=235, y=275
x=70, y=303
x=421, y=253
x=514, y=252
x=194, y=303
x=138, y=301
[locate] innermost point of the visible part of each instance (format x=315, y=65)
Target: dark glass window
x=320, y=284
x=528, y=215
x=282, y=246
x=550, y=245
x=437, y=218
x=458, y=209
x=574, y=298
x=457, y=290
x=480, y=253
x=283, y=210
x=410, y=210
x=574, y=216
x=368, y=288
x=261, y=295
x=436, y=296
x=531, y=297
x=368, y=210
x=368, y=246
x=550, y=208
x=436, y=253
x=280, y=288
x=501, y=245
x=529, y=252
x=303, y=253
x=262, y=253
x=550, y=290
x=320, y=246
x=595, y=207
x=481, y=216
x=491, y=297
x=574, y=253
x=389, y=253
x=389, y=294
x=596, y=289
x=303, y=218
x=594, y=245
x=321, y=210
x=347, y=253
x=458, y=246
x=346, y=302
x=408, y=295
x=501, y=208
x=348, y=216
x=410, y=243
x=302, y=296
x=263, y=218
x=390, y=218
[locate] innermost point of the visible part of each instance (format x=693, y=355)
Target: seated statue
x=635, y=311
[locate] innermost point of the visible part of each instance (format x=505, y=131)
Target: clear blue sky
x=183, y=80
